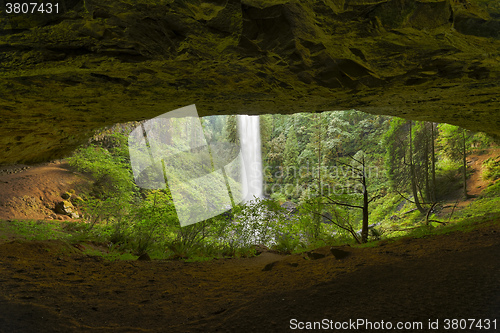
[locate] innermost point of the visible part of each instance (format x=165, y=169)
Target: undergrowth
x=126, y=221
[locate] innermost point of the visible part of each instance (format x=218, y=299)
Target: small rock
x=66, y=208
x=268, y=267
x=144, y=257
x=66, y=195
x=260, y=248
x=339, y=254
x=315, y=255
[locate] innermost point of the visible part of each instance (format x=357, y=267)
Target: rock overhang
x=103, y=62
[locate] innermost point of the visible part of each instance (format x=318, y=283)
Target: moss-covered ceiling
x=99, y=62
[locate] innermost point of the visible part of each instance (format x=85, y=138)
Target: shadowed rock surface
x=101, y=62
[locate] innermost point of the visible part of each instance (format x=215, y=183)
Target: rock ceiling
x=98, y=62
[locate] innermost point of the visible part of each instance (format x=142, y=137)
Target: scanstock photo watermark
x=171, y=152
x=327, y=180
x=207, y=177
x=477, y=325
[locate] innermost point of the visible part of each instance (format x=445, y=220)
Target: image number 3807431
x=31, y=8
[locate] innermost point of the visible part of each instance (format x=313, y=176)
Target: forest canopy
x=329, y=178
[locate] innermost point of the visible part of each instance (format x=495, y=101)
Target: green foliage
x=395, y=142
x=231, y=129
x=291, y=154
x=484, y=206
x=450, y=141
x=266, y=132
x=34, y=229
x=286, y=244
x=385, y=209
x=491, y=169
x=109, y=167
x=133, y=221
x=447, y=177
x=481, y=140
x=110, y=255
x=493, y=190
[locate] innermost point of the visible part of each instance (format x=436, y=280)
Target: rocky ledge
x=96, y=63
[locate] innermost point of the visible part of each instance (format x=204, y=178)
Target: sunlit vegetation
x=330, y=178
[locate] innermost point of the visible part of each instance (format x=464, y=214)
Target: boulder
x=66, y=208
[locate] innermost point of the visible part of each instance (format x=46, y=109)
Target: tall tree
x=291, y=154
x=424, y=160
x=453, y=143
x=402, y=161
x=433, y=162
x=413, y=173
x=358, y=167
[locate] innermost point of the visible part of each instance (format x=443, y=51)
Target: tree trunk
x=320, y=187
x=433, y=165
x=464, y=153
x=426, y=164
x=364, y=229
x=413, y=176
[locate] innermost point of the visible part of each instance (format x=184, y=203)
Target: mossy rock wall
x=101, y=62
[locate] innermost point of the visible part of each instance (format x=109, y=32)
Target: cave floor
x=50, y=286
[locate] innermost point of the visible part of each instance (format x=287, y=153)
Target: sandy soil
x=31, y=192
x=475, y=183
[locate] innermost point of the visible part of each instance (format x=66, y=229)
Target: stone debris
x=315, y=255
x=65, y=207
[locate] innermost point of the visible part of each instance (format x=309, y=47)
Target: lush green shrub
x=491, y=168
x=384, y=209
x=109, y=167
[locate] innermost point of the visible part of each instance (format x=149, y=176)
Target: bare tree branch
x=437, y=221
x=350, y=229
x=402, y=196
x=429, y=213
x=375, y=197
x=342, y=204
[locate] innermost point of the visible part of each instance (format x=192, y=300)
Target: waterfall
x=250, y=148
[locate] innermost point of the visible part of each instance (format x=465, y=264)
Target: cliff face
x=99, y=62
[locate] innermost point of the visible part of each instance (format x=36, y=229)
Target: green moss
x=491, y=169
x=157, y=55
x=34, y=229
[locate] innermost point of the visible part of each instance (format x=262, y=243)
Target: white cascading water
x=249, y=130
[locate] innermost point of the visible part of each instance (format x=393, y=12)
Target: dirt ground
x=52, y=286
x=31, y=192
